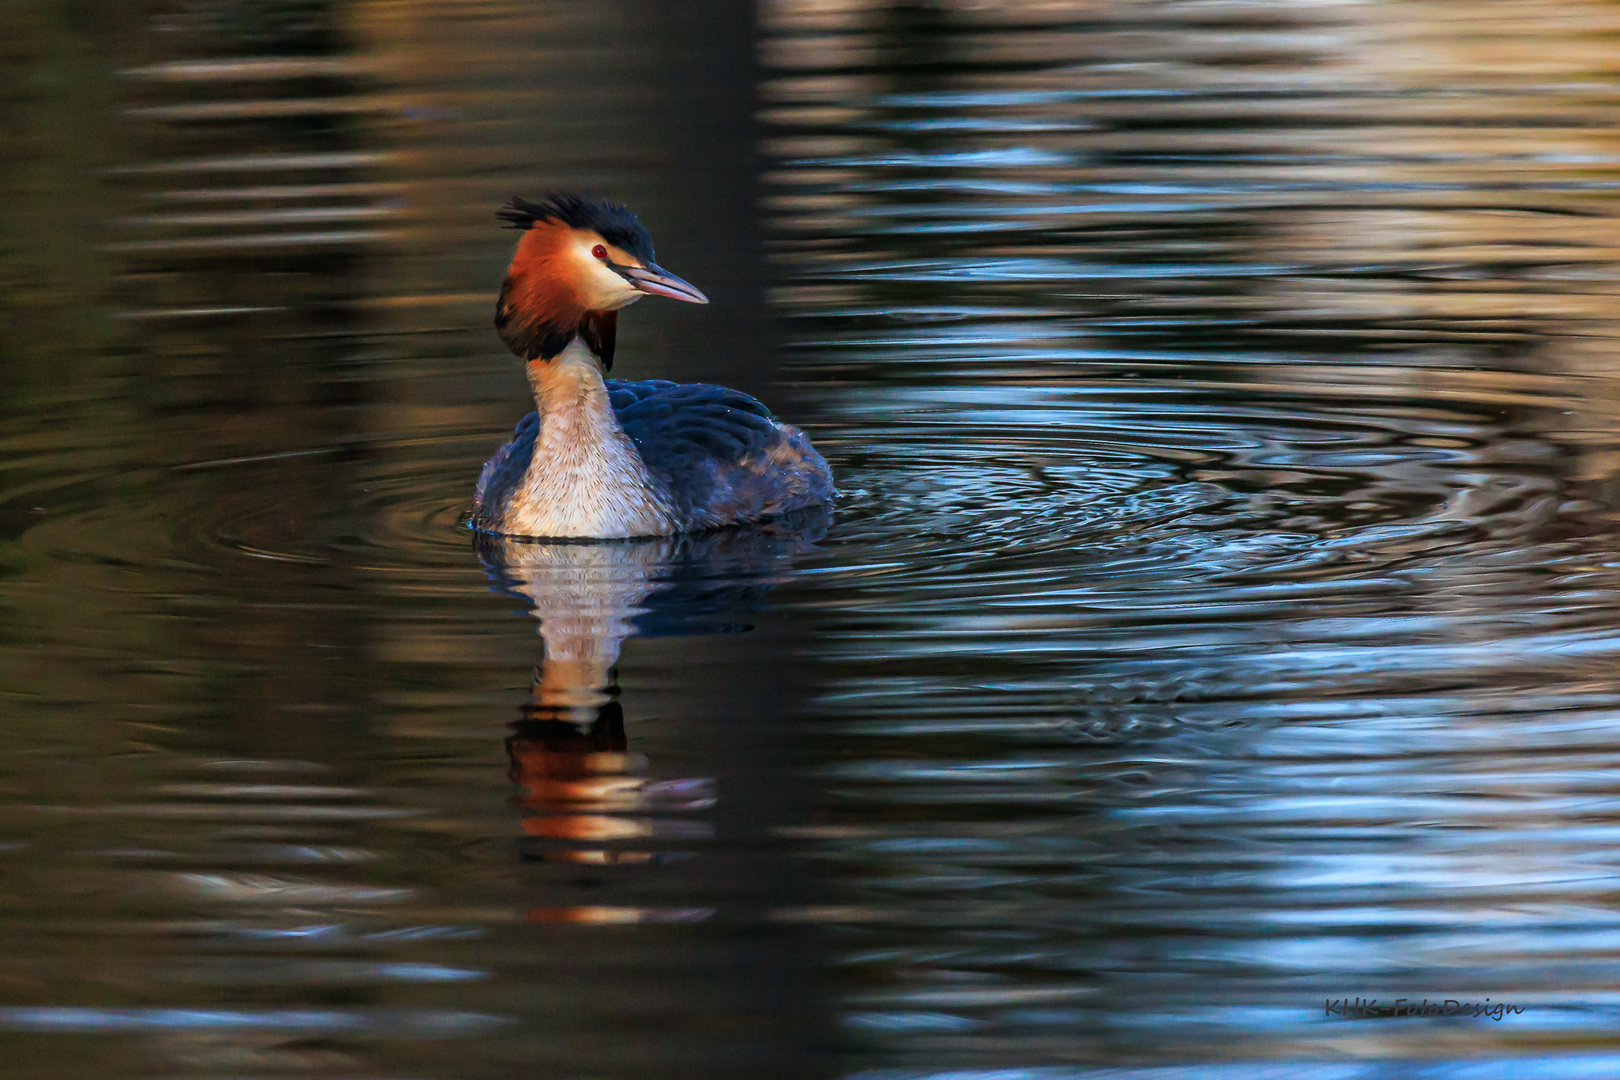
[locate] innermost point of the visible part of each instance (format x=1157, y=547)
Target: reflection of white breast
x=584, y=596
x=590, y=597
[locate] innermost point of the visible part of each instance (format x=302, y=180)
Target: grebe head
x=579, y=261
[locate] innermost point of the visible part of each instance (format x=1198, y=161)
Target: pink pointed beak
x=656, y=281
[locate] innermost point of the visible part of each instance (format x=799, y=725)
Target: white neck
x=586, y=478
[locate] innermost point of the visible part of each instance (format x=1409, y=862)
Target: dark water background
x=1220, y=614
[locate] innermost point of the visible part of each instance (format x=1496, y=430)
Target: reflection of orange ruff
x=569, y=775
x=597, y=915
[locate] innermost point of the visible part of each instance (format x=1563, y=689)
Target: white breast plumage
x=586, y=478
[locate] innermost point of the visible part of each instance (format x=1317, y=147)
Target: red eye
x=600, y=252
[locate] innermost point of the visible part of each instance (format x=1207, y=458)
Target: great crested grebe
x=603, y=458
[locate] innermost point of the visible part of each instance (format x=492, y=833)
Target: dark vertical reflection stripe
x=275, y=797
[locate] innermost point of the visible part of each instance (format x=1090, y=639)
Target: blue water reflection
x=1228, y=446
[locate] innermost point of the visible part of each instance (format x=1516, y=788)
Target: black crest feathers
x=613, y=222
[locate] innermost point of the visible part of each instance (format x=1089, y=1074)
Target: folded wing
x=720, y=454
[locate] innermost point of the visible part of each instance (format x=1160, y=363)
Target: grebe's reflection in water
x=586, y=797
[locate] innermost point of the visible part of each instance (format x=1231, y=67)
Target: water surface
x=1217, y=619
